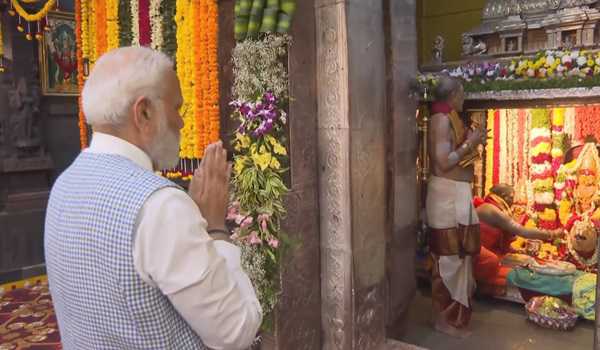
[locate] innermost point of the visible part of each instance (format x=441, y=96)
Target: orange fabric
x=489, y=273
x=453, y=312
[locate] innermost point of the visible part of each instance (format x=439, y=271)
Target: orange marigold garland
x=199, y=52
x=78, y=36
x=101, y=27
x=214, y=115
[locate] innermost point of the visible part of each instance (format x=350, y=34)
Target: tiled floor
x=496, y=325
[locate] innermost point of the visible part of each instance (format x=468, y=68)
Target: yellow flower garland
x=36, y=16
x=185, y=74
x=85, y=41
x=112, y=24
x=197, y=69
x=91, y=35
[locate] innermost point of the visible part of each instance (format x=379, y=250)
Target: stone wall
x=367, y=148
x=21, y=233
x=402, y=144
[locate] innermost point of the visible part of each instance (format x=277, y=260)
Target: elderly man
x=450, y=214
x=498, y=230
x=133, y=261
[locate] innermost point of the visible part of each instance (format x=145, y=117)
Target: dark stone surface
x=401, y=34
x=225, y=47
x=25, y=177
x=298, y=318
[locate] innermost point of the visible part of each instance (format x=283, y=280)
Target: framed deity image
x=58, y=56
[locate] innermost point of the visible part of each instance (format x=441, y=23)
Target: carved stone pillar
x=351, y=90
x=334, y=176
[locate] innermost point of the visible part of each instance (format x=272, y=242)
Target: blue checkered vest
x=100, y=300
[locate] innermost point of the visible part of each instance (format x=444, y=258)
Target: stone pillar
x=352, y=125
x=401, y=241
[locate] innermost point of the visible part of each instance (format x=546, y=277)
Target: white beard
x=164, y=150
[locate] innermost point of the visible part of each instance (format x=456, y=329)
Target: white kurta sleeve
x=202, y=278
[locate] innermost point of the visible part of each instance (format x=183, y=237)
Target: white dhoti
x=455, y=237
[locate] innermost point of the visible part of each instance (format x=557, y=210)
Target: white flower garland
x=514, y=147
x=544, y=198
x=537, y=169
x=503, y=176
x=540, y=132
x=569, y=127
x=156, y=25
x=135, y=22
x=526, y=166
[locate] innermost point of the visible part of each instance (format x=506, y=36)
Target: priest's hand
x=555, y=234
x=209, y=187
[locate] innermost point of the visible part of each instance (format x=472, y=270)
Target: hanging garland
x=185, y=29
x=78, y=37
x=125, y=35
x=489, y=153
x=542, y=175
x=101, y=25
x=38, y=16
x=91, y=36
x=211, y=97
x=112, y=24
x=169, y=28
x=156, y=23
x=260, y=92
x=503, y=155
x=197, y=69
x=145, y=31
x=199, y=55
x=135, y=23
x=186, y=74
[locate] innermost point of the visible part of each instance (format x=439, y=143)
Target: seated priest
x=498, y=230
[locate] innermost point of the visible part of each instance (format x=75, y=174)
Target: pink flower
x=273, y=242
x=246, y=222
x=254, y=239
x=232, y=213
x=263, y=219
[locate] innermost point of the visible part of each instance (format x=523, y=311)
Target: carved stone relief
x=334, y=176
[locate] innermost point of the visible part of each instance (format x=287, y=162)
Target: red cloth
x=440, y=107
x=144, y=22
x=27, y=319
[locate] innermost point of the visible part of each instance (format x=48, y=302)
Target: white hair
x=119, y=78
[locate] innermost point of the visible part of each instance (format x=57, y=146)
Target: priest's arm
x=496, y=218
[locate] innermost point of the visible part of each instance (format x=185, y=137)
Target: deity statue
x=467, y=44
x=438, y=49
x=24, y=106
x=578, y=207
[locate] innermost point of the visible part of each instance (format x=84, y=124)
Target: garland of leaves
x=125, y=35
x=260, y=91
x=168, y=10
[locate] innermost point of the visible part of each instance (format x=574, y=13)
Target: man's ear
x=141, y=113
